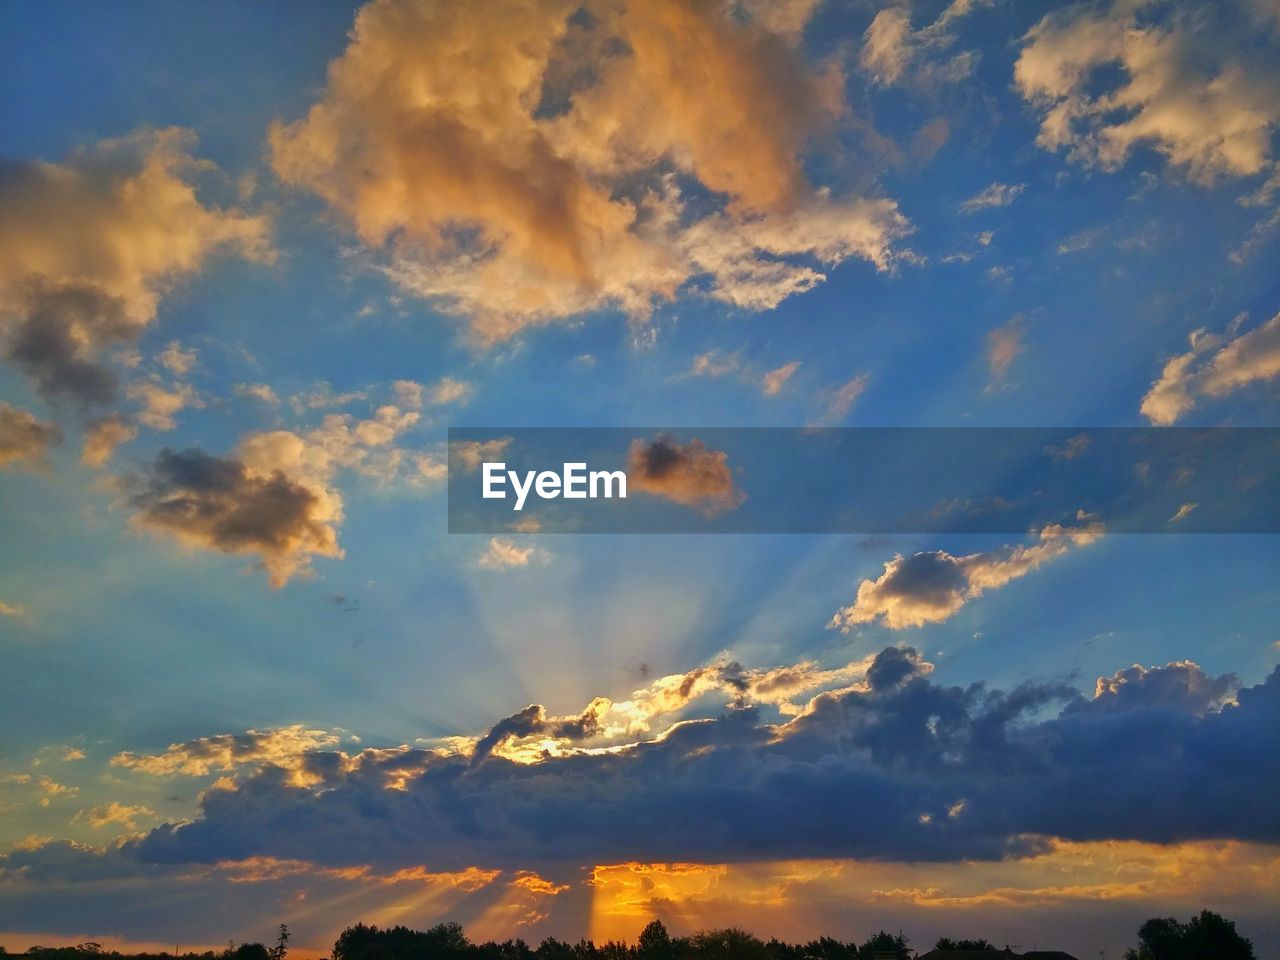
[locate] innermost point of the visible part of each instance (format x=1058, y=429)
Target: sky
x=257, y=259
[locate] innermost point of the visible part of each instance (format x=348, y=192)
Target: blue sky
x=623, y=223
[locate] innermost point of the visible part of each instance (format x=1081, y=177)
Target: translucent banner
x=863, y=480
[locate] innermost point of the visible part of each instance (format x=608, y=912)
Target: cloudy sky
x=256, y=259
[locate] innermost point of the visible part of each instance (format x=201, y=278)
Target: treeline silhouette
x=1207, y=936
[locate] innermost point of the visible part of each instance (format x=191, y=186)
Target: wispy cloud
x=996, y=195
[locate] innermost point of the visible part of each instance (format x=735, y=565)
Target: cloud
x=24, y=439
x=844, y=397
x=257, y=391
x=470, y=454
x=113, y=813
x=408, y=394
x=412, y=396
x=533, y=722
x=773, y=381
x=996, y=195
x=1072, y=449
x=523, y=167
x=688, y=474
x=893, y=767
x=502, y=553
x=226, y=752
x=48, y=789
x=89, y=246
x=322, y=397
x=14, y=611
x=530, y=881
x=449, y=391
x=1181, y=685
x=176, y=360
x=223, y=504
x=55, y=333
x=428, y=469
x=892, y=52
x=1004, y=345
x=1189, y=80
x=1213, y=367
x=103, y=436
x=886, y=45
x=340, y=442
x=714, y=363
x=160, y=404
x=932, y=586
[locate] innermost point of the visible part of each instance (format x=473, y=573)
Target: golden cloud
x=931, y=586
x=530, y=162
x=1192, y=88
x=1213, y=367
x=282, y=747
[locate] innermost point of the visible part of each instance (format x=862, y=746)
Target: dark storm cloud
x=898, y=768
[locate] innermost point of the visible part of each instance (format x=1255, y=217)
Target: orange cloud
x=1200, y=91
x=688, y=474
x=225, y=752
x=931, y=586
x=523, y=164
x=793, y=898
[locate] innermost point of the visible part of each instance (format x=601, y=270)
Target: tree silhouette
x=728, y=943
x=655, y=943
x=884, y=945
x=1206, y=937
x=282, y=940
